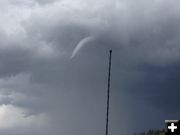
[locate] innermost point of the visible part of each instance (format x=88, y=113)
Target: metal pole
x=108, y=92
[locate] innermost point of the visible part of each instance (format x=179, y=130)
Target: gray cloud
x=37, y=39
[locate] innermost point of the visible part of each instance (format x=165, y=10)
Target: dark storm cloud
x=37, y=73
x=159, y=85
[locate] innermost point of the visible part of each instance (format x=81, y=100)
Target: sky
x=54, y=63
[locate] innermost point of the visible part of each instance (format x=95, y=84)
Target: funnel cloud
x=82, y=43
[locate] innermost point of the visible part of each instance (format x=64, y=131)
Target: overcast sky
x=54, y=62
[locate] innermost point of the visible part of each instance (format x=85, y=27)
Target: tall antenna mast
x=108, y=92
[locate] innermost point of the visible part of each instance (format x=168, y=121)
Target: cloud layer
x=44, y=91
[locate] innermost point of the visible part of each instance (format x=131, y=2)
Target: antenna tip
x=110, y=51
